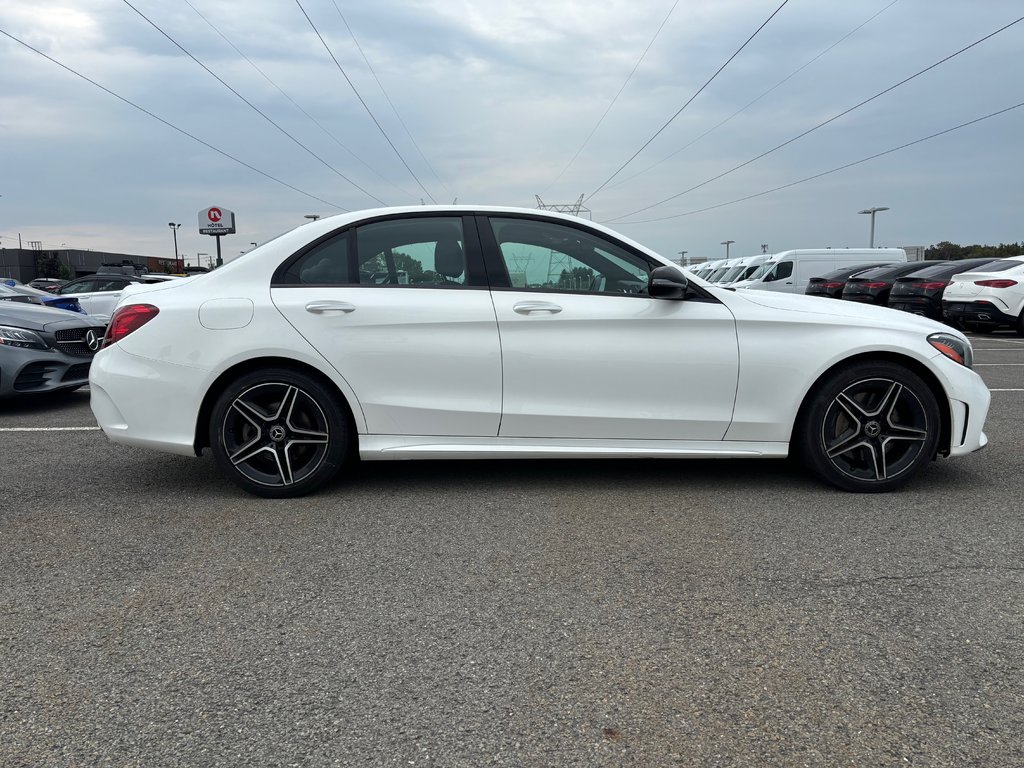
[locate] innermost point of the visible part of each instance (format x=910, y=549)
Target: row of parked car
x=974, y=294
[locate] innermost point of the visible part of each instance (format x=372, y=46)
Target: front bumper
x=33, y=371
x=969, y=401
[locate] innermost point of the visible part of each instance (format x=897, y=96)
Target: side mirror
x=667, y=283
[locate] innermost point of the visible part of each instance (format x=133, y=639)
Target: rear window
x=845, y=272
x=891, y=271
x=948, y=270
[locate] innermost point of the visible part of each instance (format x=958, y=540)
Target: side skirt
x=396, y=447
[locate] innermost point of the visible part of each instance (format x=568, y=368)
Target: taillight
x=834, y=285
x=127, y=320
x=932, y=286
x=873, y=284
x=995, y=283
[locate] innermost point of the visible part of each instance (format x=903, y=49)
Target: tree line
x=947, y=251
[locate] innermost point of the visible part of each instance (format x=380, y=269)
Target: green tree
x=48, y=265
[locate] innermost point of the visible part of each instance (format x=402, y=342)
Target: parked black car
x=921, y=292
x=831, y=283
x=874, y=285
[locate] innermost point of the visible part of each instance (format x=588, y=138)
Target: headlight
x=953, y=347
x=19, y=337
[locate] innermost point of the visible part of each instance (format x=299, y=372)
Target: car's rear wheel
x=278, y=433
x=1019, y=325
x=870, y=427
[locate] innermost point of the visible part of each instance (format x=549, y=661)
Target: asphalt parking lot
x=639, y=613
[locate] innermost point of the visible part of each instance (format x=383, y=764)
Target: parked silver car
x=44, y=349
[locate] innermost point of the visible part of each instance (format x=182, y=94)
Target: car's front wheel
x=870, y=427
x=278, y=433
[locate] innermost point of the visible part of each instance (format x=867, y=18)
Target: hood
x=852, y=312
x=34, y=317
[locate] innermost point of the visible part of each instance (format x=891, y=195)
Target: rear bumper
x=976, y=313
x=157, y=403
x=917, y=306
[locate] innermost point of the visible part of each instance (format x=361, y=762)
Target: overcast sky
x=498, y=97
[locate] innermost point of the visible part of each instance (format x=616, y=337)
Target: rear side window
x=324, y=264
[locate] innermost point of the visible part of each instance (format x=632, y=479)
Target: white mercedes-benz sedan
x=483, y=332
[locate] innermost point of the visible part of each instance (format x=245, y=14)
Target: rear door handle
x=529, y=307
x=324, y=307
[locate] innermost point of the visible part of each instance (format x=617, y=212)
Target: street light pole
x=727, y=243
x=682, y=255
x=873, y=211
x=174, y=230
x=312, y=216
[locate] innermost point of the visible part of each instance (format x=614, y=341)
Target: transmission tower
x=576, y=209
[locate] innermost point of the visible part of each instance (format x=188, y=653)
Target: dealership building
x=24, y=263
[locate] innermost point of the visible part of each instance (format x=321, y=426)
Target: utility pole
x=682, y=254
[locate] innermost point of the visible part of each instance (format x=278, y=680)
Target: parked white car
x=98, y=294
x=984, y=301
x=290, y=358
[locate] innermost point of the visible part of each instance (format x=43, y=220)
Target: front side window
x=79, y=286
x=541, y=255
x=426, y=252
x=783, y=269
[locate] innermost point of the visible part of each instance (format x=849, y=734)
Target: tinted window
x=780, y=270
x=950, y=268
x=543, y=255
x=845, y=272
x=893, y=270
x=324, y=264
x=427, y=251
x=78, y=286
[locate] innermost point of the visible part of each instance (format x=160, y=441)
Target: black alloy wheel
x=278, y=433
x=870, y=428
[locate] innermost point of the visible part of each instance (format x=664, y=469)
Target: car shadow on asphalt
x=47, y=402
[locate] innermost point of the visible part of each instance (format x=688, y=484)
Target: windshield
x=733, y=274
x=717, y=275
x=761, y=271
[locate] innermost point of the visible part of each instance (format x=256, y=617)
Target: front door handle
x=324, y=307
x=529, y=307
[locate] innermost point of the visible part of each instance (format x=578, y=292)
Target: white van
x=742, y=269
x=789, y=271
x=720, y=270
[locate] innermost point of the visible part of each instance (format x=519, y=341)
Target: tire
x=981, y=328
x=1019, y=325
x=279, y=433
x=869, y=428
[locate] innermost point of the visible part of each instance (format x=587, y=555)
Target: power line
x=688, y=102
x=743, y=109
x=295, y=103
x=386, y=96
x=256, y=109
x=821, y=124
x=614, y=98
x=362, y=101
x=171, y=125
x=833, y=170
